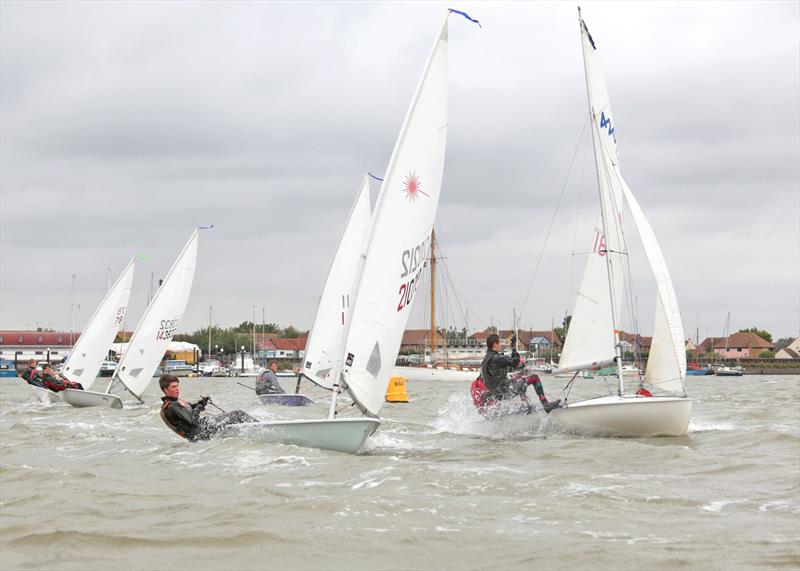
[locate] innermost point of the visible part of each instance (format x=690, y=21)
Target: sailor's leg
x=537, y=386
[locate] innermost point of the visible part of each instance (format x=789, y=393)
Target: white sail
x=93, y=345
x=158, y=324
x=666, y=363
x=323, y=353
x=591, y=337
x=399, y=237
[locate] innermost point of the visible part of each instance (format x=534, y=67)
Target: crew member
x=494, y=372
x=32, y=376
x=267, y=382
x=55, y=382
x=183, y=418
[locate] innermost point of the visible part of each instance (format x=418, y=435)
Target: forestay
x=83, y=363
x=158, y=324
x=323, y=354
x=399, y=237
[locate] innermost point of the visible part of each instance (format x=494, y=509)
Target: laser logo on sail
x=412, y=187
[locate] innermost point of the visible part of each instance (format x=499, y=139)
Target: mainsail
x=399, y=237
x=323, y=354
x=591, y=339
x=92, y=347
x=158, y=324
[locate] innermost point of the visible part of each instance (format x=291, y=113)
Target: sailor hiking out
x=183, y=418
x=495, y=385
x=267, y=381
x=32, y=376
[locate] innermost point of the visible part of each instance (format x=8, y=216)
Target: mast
x=209, y=332
x=72, y=316
x=603, y=216
x=433, y=293
x=726, y=333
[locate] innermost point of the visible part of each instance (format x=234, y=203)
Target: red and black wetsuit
x=54, y=383
x=33, y=377
x=497, y=385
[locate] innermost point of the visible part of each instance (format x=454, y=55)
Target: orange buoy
x=396, y=391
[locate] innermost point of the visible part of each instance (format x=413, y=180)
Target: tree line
x=227, y=341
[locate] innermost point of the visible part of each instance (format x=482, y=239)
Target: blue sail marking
x=607, y=123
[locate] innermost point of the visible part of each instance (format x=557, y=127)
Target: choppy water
x=435, y=488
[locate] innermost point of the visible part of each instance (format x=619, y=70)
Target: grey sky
x=124, y=125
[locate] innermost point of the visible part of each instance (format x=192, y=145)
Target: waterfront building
x=21, y=346
x=792, y=351
x=742, y=345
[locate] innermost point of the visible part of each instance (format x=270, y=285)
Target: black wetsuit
x=184, y=419
x=494, y=371
x=33, y=377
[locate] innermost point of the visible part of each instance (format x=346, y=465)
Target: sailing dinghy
x=593, y=339
x=377, y=269
x=152, y=335
x=325, y=341
x=83, y=364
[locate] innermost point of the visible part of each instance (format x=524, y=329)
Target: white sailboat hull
x=45, y=396
x=632, y=416
x=339, y=434
x=83, y=399
x=435, y=374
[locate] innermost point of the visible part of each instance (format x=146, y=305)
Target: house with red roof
x=289, y=348
x=417, y=340
x=792, y=351
x=527, y=340
x=742, y=345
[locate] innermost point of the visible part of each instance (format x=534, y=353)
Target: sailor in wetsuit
x=56, y=383
x=494, y=372
x=32, y=376
x=183, y=418
x=267, y=382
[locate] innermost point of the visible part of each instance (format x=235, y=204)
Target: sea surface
x=437, y=487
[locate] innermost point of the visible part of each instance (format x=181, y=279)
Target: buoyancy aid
x=54, y=383
x=481, y=396
x=168, y=421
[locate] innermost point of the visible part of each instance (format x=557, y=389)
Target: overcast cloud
x=124, y=125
